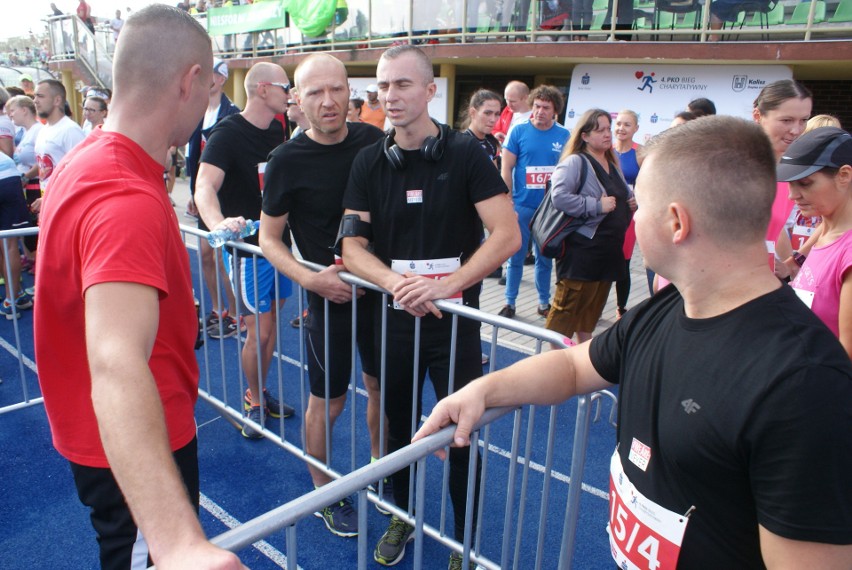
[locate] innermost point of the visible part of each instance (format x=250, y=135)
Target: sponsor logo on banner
x=742, y=83
x=586, y=78
x=647, y=81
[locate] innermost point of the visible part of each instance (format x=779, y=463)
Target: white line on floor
x=229, y=521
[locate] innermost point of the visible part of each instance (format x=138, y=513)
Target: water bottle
x=219, y=237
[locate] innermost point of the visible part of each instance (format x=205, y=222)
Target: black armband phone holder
x=352, y=226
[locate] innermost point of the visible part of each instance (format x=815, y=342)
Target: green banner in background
x=255, y=17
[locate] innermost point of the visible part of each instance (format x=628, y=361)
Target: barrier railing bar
x=471, y=495
x=510, y=489
x=419, y=510
x=522, y=506
x=415, y=381
x=21, y=405
x=578, y=464
x=301, y=507
x=545, y=493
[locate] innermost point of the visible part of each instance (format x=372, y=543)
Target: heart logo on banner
x=639, y=74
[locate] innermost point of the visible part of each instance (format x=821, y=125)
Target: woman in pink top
x=818, y=167
x=782, y=108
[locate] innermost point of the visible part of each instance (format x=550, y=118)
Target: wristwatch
x=799, y=258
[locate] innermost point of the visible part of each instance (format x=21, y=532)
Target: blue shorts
x=252, y=299
x=14, y=213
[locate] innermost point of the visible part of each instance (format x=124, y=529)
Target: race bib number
x=800, y=236
x=537, y=176
x=770, y=249
x=807, y=297
x=431, y=268
x=261, y=172
x=642, y=534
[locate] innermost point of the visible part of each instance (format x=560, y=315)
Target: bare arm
x=504, y=239
x=844, y=314
x=207, y=185
x=121, y=325
x=7, y=146
x=325, y=283
x=786, y=554
x=509, y=161
x=545, y=379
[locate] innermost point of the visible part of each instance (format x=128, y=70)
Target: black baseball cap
x=817, y=149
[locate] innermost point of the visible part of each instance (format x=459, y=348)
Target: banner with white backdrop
x=437, y=106
x=658, y=92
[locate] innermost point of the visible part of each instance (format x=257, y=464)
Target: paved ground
x=493, y=299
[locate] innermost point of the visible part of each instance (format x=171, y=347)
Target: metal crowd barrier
x=356, y=478
x=224, y=394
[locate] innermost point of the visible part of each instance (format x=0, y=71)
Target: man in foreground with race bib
x=734, y=448
x=530, y=155
x=420, y=197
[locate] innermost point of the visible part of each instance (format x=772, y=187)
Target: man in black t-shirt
x=304, y=184
x=734, y=446
x=425, y=191
x=227, y=193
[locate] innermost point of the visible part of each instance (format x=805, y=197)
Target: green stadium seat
x=774, y=17
x=689, y=22
x=800, y=13
x=843, y=13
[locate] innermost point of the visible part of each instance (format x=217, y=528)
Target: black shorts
x=14, y=213
x=122, y=546
x=340, y=343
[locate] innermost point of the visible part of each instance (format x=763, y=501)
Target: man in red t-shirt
x=115, y=324
x=84, y=12
x=517, y=109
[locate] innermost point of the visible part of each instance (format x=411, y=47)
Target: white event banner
x=658, y=92
x=437, y=106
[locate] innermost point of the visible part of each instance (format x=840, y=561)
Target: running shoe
x=507, y=311
x=387, y=494
x=297, y=322
x=228, y=325
x=543, y=309
x=274, y=407
x=456, y=561
x=23, y=301
x=249, y=432
x=9, y=310
x=391, y=547
x=340, y=518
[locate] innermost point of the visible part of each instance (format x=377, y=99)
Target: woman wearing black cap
x=818, y=167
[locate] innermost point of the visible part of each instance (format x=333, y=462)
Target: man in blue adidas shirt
x=530, y=154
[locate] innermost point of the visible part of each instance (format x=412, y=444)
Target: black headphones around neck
x=431, y=150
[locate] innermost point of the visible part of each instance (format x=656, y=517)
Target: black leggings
x=622, y=288
x=434, y=358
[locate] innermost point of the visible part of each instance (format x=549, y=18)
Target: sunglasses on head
x=284, y=86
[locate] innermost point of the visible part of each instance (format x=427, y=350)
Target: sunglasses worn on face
x=284, y=86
